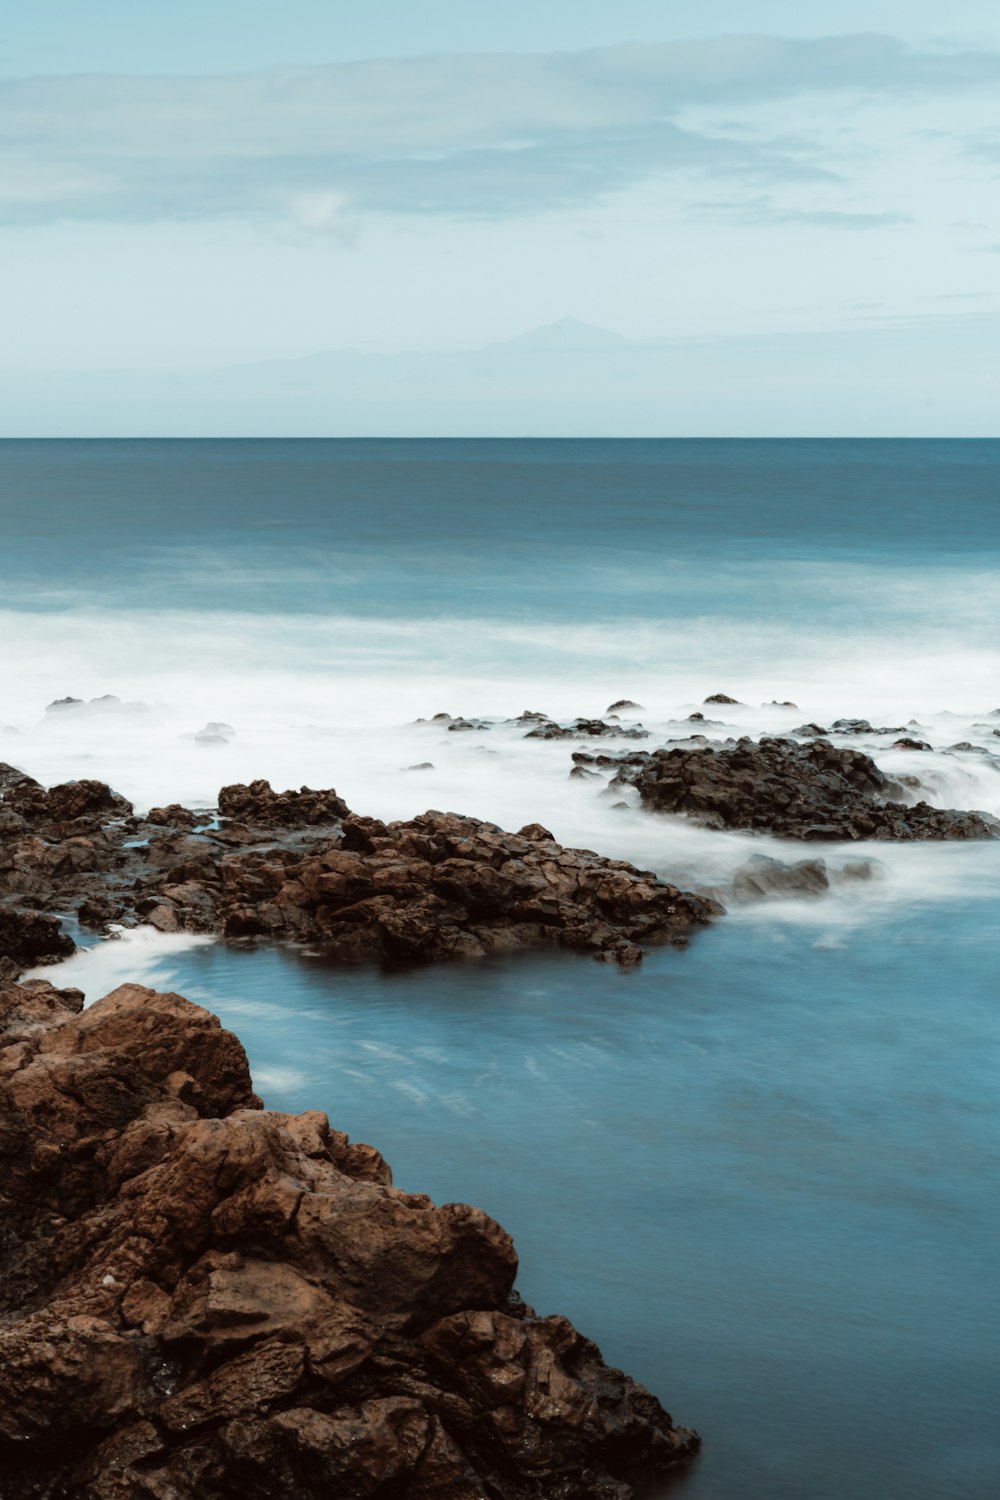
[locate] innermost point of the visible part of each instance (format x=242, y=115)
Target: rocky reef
x=298, y=866
x=204, y=1299
x=800, y=791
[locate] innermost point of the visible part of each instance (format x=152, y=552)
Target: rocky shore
x=800, y=791
x=205, y=1299
x=299, y=866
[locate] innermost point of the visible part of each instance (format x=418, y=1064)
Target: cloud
x=481, y=134
x=764, y=212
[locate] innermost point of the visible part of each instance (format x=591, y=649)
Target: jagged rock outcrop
x=83, y=802
x=589, y=729
x=810, y=791
x=12, y=776
x=298, y=866
x=436, y=886
x=30, y=937
x=202, y=1299
x=259, y=806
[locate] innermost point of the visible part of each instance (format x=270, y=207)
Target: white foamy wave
x=137, y=955
x=201, y=700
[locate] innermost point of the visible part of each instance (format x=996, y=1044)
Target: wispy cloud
x=764, y=212
x=475, y=135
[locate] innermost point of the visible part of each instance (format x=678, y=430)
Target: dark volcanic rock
x=437, y=886
x=28, y=937
x=812, y=791
x=586, y=729
x=761, y=877
x=457, y=726
x=621, y=703
x=862, y=726
x=92, y=802
x=202, y=1299
x=172, y=816
x=11, y=776
x=259, y=806
x=599, y=758
x=721, y=698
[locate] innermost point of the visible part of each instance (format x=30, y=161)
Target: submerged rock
x=762, y=876
x=810, y=791
x=205, y=1299
x=586, y=729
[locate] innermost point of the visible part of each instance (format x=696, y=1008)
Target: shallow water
x=761, y=1173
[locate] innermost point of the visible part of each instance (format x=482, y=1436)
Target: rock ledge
x=203, y=1299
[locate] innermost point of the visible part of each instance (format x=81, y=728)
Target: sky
x=192, y=188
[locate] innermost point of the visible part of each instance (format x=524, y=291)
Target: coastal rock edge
x=203, y=1298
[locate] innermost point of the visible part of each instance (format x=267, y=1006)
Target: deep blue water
x=546, y=527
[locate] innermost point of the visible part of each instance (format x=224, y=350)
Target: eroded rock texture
x=812, y=791
x=203, y=1299
x=298, y=866
x=436, y=886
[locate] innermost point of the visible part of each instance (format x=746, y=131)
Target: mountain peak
x=565, y=334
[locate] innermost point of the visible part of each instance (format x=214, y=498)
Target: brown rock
x=804, y=791
x=202, y=1299
x=257, y=804
x=434, y=887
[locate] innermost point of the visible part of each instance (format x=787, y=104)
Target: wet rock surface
x=810, y=791
x=586, y=729
x=436, y=886
x=261, y=807
x=204, y=1299
x=299, y=867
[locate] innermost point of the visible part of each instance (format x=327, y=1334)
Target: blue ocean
x=762, y=1172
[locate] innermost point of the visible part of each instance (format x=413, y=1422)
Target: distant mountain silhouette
x=565, y=336
x=566, y=378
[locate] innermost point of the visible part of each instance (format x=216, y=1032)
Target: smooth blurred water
x=762, y=1173
x=554, y=529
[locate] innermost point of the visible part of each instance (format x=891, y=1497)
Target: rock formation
x=298, y=866
x=202, y=1299
x=811, y=791
x=436, y=886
